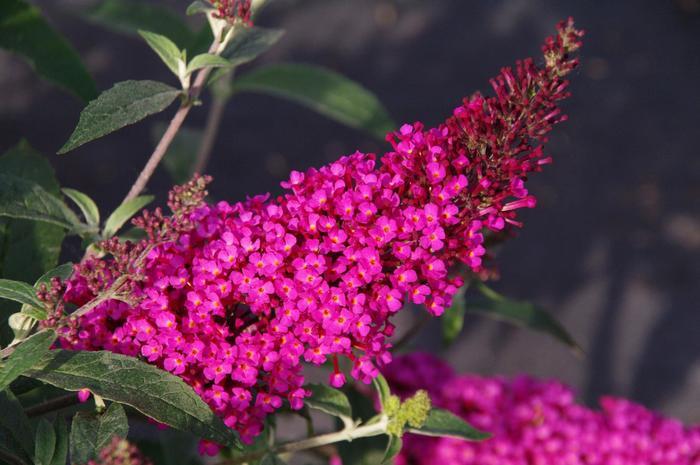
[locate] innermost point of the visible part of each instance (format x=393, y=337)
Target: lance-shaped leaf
x=382, y=387
x=20, y=198
x=61, y=451
x=331, y=401
x=44, y=443
x=393, y=447
x=123, y=213
x=62, y=271
x=207, y=60
x=130, y=16
x=150, y=390
x=126, y=103
x=165, y=49
x=24, y=31
x=322, y=90
x=28, y=248
x=91, y=432
x=86, y=204
x=249, y=43
x=19, y=292
x=27, y=354
x=16, y=433
x=199, y=6
x=445, y=423
x=524, y=314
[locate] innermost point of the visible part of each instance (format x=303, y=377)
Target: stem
x=51, y=405
x=173, y=127
x=211, y=130
x=347, y=434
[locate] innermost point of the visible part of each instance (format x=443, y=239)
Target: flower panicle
x=234, y=297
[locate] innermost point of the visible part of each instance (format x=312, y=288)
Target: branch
x=173, y=127
x=216, y=114
x=52, y=405
x=347, y=434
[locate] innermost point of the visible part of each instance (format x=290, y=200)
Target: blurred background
x=613, y=247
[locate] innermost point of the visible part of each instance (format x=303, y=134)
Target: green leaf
x=246, y=45
x=329, y=400
x=25, y=162
x=130, y=16
x=34, y=313
x=382, y=388
x=165, y=48
x=198, y=6
x=20, y=198
x=524, y=314
x=44, y=443
x=180, y=158
x=249, y=43
x=393, y=448
x=61, y=451
x=15, y=430
x=112, y=422
x=150, y=390
x=444, y=423
x=322, y=90
x=123, y=213
x=453, y=318
x=126, y=103
x=207, y=60
x=86, y=205
x=24, y=31
x=91, y=432
x=19, y=292
x=27, y=354
x=83, y=437
x=62, y=271
x=28, y=248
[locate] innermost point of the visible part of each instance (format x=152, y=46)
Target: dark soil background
x=613, y=246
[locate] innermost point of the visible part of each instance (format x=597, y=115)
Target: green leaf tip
x=126, y=103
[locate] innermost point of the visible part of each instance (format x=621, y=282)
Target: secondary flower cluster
x=537, y=423
x=233, y=297
x=120, y=452
x=231, y=10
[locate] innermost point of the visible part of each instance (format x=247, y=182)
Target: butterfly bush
x=234, y=297
x=536, y=422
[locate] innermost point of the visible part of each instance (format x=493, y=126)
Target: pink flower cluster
x=120, y=452
x=537, y=423
x=237, y=300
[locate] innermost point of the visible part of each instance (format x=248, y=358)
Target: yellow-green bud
x=415, y=410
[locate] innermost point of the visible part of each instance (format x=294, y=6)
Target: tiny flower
x=83, y=395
